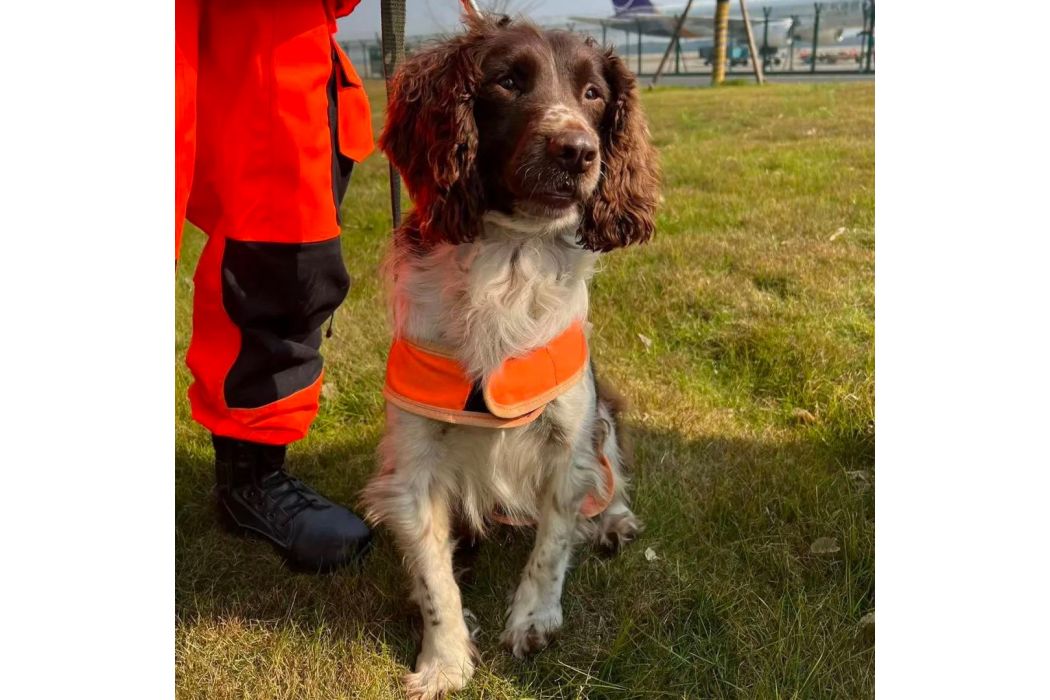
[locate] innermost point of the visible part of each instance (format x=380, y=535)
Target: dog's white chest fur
x=508, y=292
x=498, y=297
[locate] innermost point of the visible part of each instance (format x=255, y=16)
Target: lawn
x=743, y=335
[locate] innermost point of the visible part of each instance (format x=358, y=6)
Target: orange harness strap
x=429, y=381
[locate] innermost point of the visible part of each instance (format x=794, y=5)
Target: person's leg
x=268, y=180
x=187, y=29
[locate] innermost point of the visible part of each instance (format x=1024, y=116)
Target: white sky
x=433, y=16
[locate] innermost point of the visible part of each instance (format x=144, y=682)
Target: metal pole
x=864, y=34
x=816, y=31
x=604, y=28
x=755, y=61
x=871, y=36
x=766, y=11
x=392, y=17
x=677, y=33
x=677, y=56
x=718, y=70
x=639, y=25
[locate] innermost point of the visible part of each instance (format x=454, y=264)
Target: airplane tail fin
x=633, y=7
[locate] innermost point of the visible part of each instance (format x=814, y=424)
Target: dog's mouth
x=541, y=187
x=558, y=196
x=549, y=204
x=556, y=199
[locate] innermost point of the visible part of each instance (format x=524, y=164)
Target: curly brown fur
x=623, y=209
x=431, y=138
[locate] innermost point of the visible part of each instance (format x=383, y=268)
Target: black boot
x=258, y=497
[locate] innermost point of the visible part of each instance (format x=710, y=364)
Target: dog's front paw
x=436, y=677
x=531, y=632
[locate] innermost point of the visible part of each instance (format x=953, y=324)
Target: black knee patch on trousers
x=279, y=295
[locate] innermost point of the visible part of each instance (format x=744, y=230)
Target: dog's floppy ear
x=623, y=208
x=431, y=138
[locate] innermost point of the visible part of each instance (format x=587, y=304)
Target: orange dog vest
x=429, y=381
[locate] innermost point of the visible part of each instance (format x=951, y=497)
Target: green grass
x=758, y=296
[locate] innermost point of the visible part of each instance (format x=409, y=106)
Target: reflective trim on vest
x=430, y=382
x=523, y=384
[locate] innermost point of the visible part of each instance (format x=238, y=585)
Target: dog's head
x=531, y=123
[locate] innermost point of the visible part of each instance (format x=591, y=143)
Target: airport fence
x=693, y=57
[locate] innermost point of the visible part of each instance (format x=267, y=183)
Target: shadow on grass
x=729, y=603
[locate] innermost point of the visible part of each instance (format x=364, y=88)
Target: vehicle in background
x=831, y=57
x=737, y=53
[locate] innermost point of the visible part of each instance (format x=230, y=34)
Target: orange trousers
x=270, y=117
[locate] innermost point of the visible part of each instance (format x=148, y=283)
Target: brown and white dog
x=527, y=155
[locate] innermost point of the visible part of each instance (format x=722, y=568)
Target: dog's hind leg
x=617, y=526
x=418, y=514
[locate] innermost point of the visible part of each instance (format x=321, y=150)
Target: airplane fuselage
x=778, y=22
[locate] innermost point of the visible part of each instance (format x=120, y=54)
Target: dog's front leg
x=535, y=613
x=446, y=660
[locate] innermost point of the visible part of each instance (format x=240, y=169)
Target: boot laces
x=287, y=496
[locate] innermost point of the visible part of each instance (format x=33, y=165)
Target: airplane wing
x=655, y=25
x=652, y=25
x=696, y=26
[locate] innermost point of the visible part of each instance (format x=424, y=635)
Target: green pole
x=864, y=48
x=816, y=30
x=392, y=19
x=871, y=36
x=766, y=11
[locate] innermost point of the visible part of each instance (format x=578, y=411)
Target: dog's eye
x=592, y=93
x=508, y=83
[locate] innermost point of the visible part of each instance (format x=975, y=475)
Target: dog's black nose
x=575, y=151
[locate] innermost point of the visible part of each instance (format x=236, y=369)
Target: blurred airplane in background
x=789, y=20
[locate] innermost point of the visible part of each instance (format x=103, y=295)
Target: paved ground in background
x=703, y=79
